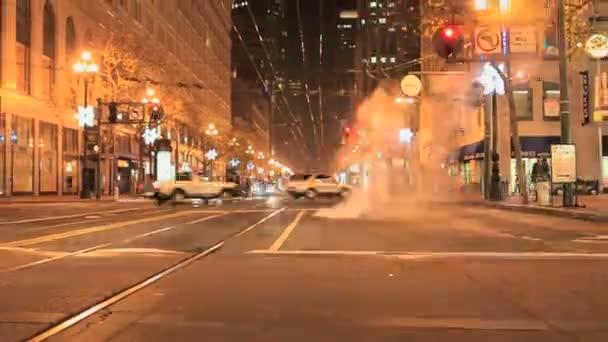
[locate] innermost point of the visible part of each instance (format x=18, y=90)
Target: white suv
x=311, y=186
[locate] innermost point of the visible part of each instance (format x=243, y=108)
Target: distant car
x=197, y=187
x=312, y=186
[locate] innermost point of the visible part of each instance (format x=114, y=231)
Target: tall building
x=41, y=143
x=389, y=36
x=452, y=115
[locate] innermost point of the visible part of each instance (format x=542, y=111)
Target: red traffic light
x=448, y=41
x=155, y=108
x=347, y=129
x=448, y=32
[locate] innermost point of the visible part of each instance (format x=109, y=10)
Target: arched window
x=23, y=22
x=70, y=39
x=23, y=45
x=48, y=48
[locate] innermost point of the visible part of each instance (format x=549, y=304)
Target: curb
x=571, y=214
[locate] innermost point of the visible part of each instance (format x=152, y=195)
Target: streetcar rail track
x=124, y=293
x=105, y=245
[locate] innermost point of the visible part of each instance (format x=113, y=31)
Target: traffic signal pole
x=564, y=103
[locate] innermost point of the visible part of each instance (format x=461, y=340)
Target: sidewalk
x=592, y=208
x=66, y=199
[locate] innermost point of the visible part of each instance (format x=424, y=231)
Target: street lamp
x=211, y=130
x=86, y=69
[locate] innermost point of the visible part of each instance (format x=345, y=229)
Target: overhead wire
x=271, y=64
x=305, y=64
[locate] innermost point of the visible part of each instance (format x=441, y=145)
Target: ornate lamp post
x=86, y=69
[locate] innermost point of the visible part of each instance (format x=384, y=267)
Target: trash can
x=543, y=190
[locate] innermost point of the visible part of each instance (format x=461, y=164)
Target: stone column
x=8, y=37
x=61, y=65
x=9, y=153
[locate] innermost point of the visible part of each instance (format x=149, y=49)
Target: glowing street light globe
x=211, y=154
x=150, y=135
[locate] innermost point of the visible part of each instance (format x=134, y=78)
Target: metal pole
x=98, y=164
x=177, y=136
x=564, y=104
x=271, y=120
x=84, y=192
x=486, y=147
x=495, y=172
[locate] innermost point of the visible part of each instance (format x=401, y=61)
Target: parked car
x=311, y=186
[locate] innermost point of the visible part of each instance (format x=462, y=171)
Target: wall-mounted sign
x=522, y=39
x=86, y=116
x=121, y=163
x=488, y=40
x=563, y=164
x=597, y=46
x=411, y=85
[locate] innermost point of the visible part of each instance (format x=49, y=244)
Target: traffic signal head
x=156, y=113
x=113, y=109
x=448, y=41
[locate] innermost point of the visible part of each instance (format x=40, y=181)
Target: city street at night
x=276, y=269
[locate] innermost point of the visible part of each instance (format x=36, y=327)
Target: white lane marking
x=94, y=248
x=285, y=234
x=443, y=255
x=208, y=218
x=259, y=222
x=51, y=218
x=459, y=323
x=118, y=251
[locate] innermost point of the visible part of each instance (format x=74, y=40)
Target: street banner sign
x=563, y=164
x=585, y=85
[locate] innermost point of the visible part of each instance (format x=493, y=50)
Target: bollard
x=116, y=193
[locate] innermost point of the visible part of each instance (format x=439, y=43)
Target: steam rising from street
x=396, y=180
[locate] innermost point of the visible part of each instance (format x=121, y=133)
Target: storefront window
x=523, y=101
x=22, y=155
x=551, y=101
x=2, y=154
x=70, y=161
x=47, y=171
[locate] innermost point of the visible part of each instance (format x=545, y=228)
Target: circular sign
x=411, y=85
x=597, y=46
x=487, y=40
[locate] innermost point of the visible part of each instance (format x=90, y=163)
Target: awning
x=472, y=151
x=532, y=147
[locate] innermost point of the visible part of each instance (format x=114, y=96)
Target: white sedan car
x=311, y=186
x=197, y=187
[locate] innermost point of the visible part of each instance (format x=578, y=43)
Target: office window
x=550, y=101
x=22, y=154
x=522, y=94
x=47, y=145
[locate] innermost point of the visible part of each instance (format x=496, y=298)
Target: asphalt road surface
x=285, y=270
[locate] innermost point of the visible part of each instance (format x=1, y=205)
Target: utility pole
x=98, y=177
x=271, y=120
x=84, y=192
x=487, y=129
x=564, y=103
